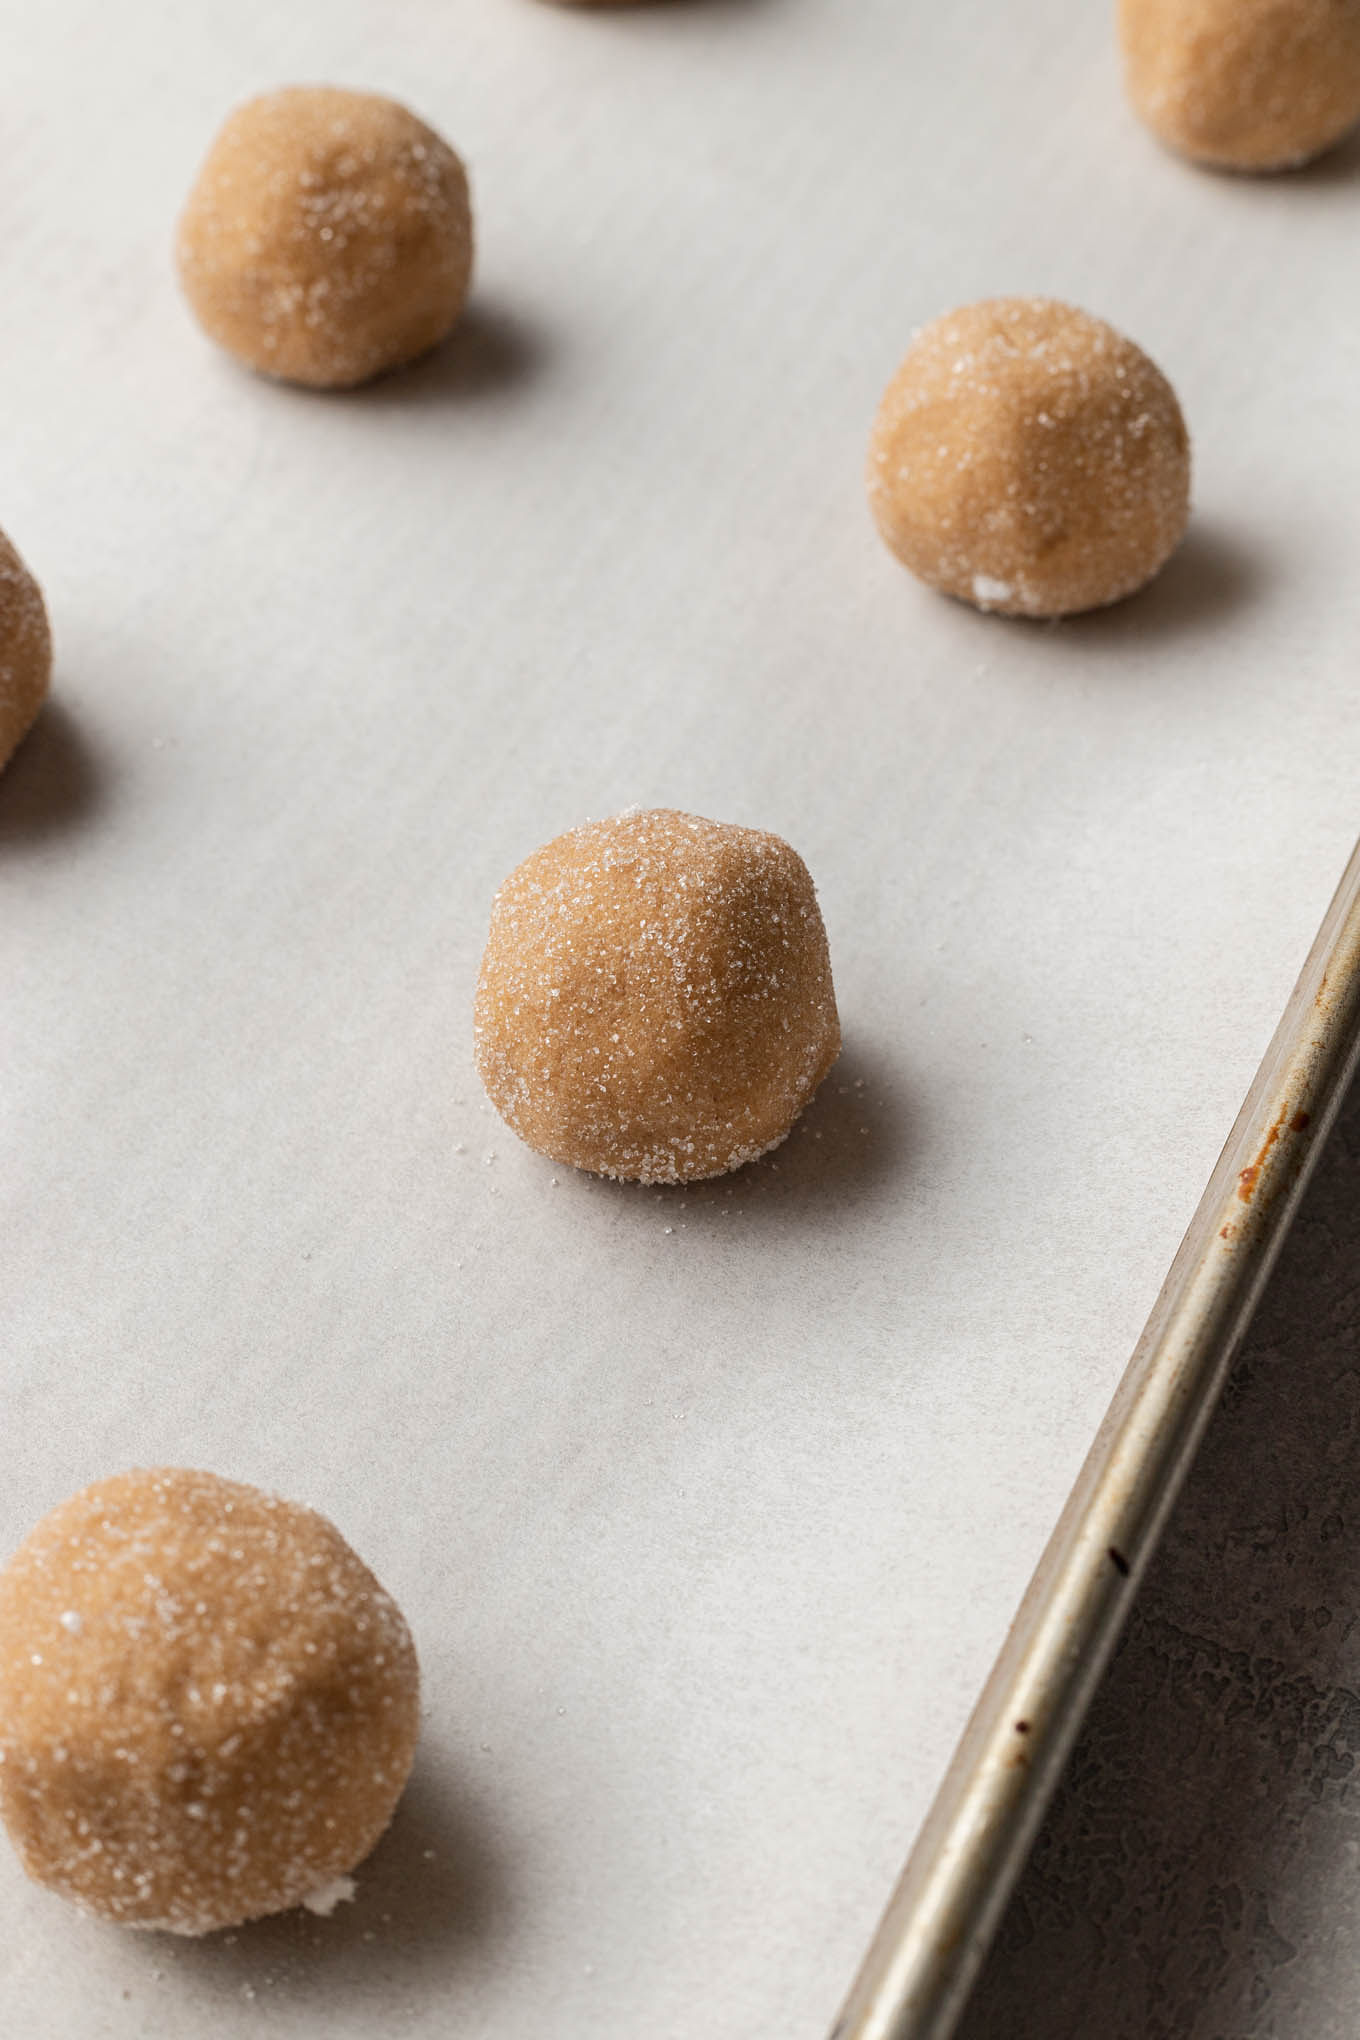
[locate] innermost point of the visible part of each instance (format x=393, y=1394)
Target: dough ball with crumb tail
x=655, y=1000
x=25, y=651
x=328, y=237
x=1028, y=458
x=208, y=1705
x=1244, y=84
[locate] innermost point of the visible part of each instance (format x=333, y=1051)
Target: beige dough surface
x=1029, y=459
x=328, y=237
x=208, y=1705
x=1245, y=84
x=655, y=1000
x=25, y=650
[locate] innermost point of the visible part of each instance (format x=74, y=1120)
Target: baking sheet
x=935, y=1931
x=709, y=1510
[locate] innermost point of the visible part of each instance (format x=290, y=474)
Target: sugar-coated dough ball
x=1029, y=459
x=655, y=1000
x=329, y=236
x=25, y=650
x=1246, y=84
x=208, y=1705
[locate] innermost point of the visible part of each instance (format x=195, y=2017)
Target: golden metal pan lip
x=925, y=1956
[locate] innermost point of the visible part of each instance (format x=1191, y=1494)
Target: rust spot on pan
x=1250, y=1177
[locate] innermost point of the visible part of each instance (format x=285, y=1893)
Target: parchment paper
x=708, y=1510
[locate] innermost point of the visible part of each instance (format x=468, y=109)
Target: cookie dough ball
x=1245, y=84
x=329, y=236
x=208, y=1705
x=655, y=1000
x=25, y=650
x=1029, y=459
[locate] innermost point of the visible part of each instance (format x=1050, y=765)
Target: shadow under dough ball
x=328, y=237
x=655, y=1000
x=1028, y=458
x=1244, y=84
x=25, y=651
x=208, y=1705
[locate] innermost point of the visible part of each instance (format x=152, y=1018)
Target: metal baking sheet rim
x=916, y=1977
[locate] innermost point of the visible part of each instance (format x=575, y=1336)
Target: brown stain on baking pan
x=1250, y=1177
